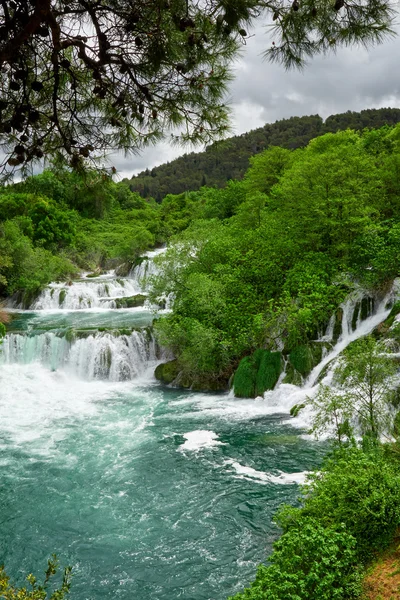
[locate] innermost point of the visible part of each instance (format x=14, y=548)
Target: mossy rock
x=257, y=373
x=338, y=327
x=61, y=296
x=270, y=365
x=356, y=313
x=367, y=307
x=96, y=273
x=208, y=384
x=70, y=334
x=294, y=411
x=292, y=376
x=167, y=372
x=302, y=359
x=244, y=380
x=393, y=314
x=171, y=373
x=124, y=269
x=130, y=301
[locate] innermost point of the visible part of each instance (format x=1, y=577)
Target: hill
x=229, y=159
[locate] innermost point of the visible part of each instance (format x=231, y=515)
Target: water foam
x=250, y=474
x=200, y=440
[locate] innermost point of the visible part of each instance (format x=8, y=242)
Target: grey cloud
x=351, y=79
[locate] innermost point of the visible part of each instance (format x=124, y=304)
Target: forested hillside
x=229, y=159
x=267, y=260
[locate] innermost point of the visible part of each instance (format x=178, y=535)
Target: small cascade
x=85, y=294
x=100, y=355
x=353, y=328
x=359, y=315
x=145, y=269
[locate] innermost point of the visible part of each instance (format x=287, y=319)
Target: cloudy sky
x=352, y=79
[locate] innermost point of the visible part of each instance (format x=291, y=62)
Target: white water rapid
x=76, y=329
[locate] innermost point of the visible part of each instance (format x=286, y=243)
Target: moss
x=302, y=359
x=29, y=296
x=244, y=380
x=269, y=369
x=257, y=373
x=294, y=411
x=367, y=307
x=292, y=376
x=167, y=372
x=393, y=314
x=61, y=296
x=70, y=334
x=51, y=292
x=130, y=301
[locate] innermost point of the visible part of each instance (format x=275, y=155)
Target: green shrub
x=309, y=562
x=360, y=490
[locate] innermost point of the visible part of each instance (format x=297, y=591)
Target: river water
x=147, y=492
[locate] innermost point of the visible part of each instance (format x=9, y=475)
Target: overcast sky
x=353, y=79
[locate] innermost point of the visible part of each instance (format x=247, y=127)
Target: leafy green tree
x=51, y=227
x=329, y=194
x=367, y=375
x=331, y=414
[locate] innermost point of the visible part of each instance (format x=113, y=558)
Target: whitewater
x=148, y=492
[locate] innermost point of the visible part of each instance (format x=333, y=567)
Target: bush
x=244, y=381
x=360, y=490
x=309, y=562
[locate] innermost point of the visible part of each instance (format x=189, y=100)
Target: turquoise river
x=148, y=492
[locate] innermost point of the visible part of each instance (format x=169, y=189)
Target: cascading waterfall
x=86, y=294
x=99, y=355
x=146, y=268
x=353, y=327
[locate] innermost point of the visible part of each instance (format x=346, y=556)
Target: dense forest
x=229, y=159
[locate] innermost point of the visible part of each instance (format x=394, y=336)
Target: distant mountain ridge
x=229, y=159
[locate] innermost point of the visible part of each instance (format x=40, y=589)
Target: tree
x=367, y=374
x=331, y=414
x=85, y=76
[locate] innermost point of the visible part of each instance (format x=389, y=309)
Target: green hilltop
x=229, y=159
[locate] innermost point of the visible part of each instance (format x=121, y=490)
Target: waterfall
x=141, y=273
x=100, y=355
x=85, y=294
x=353, y=327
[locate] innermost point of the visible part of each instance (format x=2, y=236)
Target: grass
x=383, y=578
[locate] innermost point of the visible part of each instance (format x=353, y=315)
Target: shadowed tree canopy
x=80, y=78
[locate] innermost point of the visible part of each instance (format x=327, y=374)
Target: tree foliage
x=261, y=263
x=83, y=76
x=33, y=590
